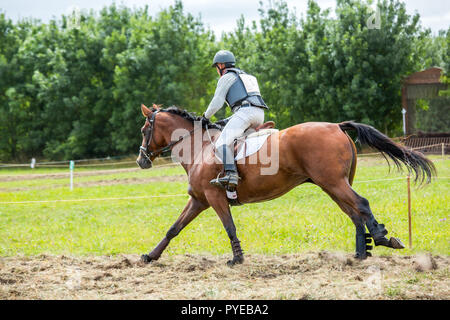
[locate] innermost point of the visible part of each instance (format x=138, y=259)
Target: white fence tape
x=160, y=196
x=387, y=179
x=65, y=163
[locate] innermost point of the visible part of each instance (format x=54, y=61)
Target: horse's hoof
x=395, y=243
x=361, y=256
x=145, y=258
x=235, y=260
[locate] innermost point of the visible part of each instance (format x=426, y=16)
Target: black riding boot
x=230, y=180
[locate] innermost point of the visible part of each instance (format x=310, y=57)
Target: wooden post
x=409, y=209
x=443, y=150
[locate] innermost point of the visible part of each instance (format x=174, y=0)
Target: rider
x=241, y=92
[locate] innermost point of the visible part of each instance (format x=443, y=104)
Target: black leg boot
x=378, y=233
x=362, y=243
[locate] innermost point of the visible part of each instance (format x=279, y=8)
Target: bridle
x=149, y=136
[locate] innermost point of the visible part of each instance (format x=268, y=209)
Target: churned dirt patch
x=96, y=183
x=315, y=275
x=65, y=175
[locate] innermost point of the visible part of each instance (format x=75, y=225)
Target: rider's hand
x=204, y=119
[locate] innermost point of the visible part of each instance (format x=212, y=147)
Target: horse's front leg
x=190, y=212
x=217, y=199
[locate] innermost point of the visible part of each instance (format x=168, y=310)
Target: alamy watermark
x=73, y=276
x=374, y=21
x=73, y=17
x=374, y=281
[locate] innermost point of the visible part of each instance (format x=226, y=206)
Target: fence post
x=443, y=150
x=71, y=166
x=408, y=179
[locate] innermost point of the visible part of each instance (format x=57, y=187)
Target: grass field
x=305, y=219
x=299, y=246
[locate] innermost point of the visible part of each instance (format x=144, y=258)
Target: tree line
x=73, y=90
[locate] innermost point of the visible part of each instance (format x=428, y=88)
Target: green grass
x=305, y=219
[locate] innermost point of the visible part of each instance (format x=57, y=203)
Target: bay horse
x=316, y=152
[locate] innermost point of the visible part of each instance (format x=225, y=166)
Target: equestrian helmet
x=224, y=56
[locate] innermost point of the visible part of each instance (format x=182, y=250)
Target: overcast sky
x=219, y=15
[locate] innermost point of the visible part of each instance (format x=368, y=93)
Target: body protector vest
x=245, y=88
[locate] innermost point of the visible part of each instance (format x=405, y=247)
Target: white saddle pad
x=253, y=142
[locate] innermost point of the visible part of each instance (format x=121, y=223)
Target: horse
x=320, y=153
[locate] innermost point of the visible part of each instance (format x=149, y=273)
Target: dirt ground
x=96, y=183
x=315, y=275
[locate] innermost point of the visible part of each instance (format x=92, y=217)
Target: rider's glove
x=204, y=119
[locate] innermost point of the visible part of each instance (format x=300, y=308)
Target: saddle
x=252, y=132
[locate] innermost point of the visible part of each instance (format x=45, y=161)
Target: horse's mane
x=182, y=113
x=190, y=116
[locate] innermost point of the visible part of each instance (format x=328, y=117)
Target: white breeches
x=243, y=119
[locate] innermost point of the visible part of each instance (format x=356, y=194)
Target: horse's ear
x=145, y=111
x=156, y=106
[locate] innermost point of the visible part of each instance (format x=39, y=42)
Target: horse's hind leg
x=358, y=209
x=377, y=231
x=347, y=201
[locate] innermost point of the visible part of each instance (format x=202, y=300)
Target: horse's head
x=146, y=156
x=162, y=131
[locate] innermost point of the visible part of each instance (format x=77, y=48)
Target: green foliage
x=323, y=69
x=433, y=115
x=73, y=91
x=445, y=78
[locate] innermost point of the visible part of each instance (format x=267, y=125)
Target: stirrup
x=230, y=180
x=216, y=182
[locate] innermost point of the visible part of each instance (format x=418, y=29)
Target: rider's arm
x=223, y=85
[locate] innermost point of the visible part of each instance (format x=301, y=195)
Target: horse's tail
x=414, y=161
